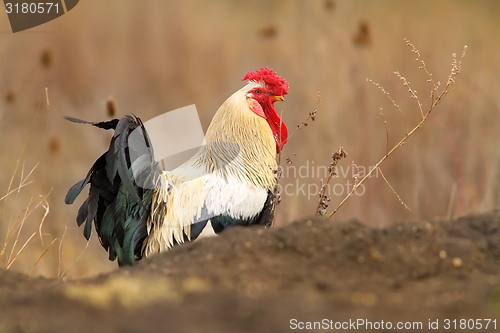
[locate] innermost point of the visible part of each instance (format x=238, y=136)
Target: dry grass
x=436, y=97
x=13, y=245
x=164, y=55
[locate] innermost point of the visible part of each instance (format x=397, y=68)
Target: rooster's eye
x=258, y=91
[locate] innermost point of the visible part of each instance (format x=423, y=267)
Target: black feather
x=83, y=212
x=92, y=210
x=264, y=218
x=74, y=191
x=117, y=206
x=111, y=124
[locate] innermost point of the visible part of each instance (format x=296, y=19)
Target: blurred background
x=150, y=57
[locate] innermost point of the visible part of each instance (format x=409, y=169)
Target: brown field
x=255, y=280
x=154, y=56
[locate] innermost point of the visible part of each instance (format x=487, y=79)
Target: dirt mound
x=275, y=280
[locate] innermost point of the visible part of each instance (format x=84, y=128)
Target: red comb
x=276, y=84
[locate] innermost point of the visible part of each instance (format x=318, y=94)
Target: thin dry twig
x=332, y=172
x=11, y=260
x=46, y=207
x=393, y=190
x=311, y=116
x=20, y=227
x=386, y=93
x=386, y=130
x=11, y=182
x=60, y=251
x=28, y=210
x=455, y=70
x=63, y=274
x=422, y=66
x=14, y=228
x=24, y=182
x=43, y=253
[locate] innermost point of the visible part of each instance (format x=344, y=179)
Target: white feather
x=205, y=187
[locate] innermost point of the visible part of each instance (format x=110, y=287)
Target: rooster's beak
x=279, y=98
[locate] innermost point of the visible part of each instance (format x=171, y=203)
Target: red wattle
x=280, y=131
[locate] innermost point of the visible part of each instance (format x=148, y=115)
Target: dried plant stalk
x=332, y=172
x=435, y=100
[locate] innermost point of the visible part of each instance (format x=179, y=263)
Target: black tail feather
x=117, y=206
x=110, y=124
x=75, y=191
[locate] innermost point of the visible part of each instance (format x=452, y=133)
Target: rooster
x=230, y=181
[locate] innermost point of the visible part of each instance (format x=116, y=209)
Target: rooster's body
x=230, y=181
